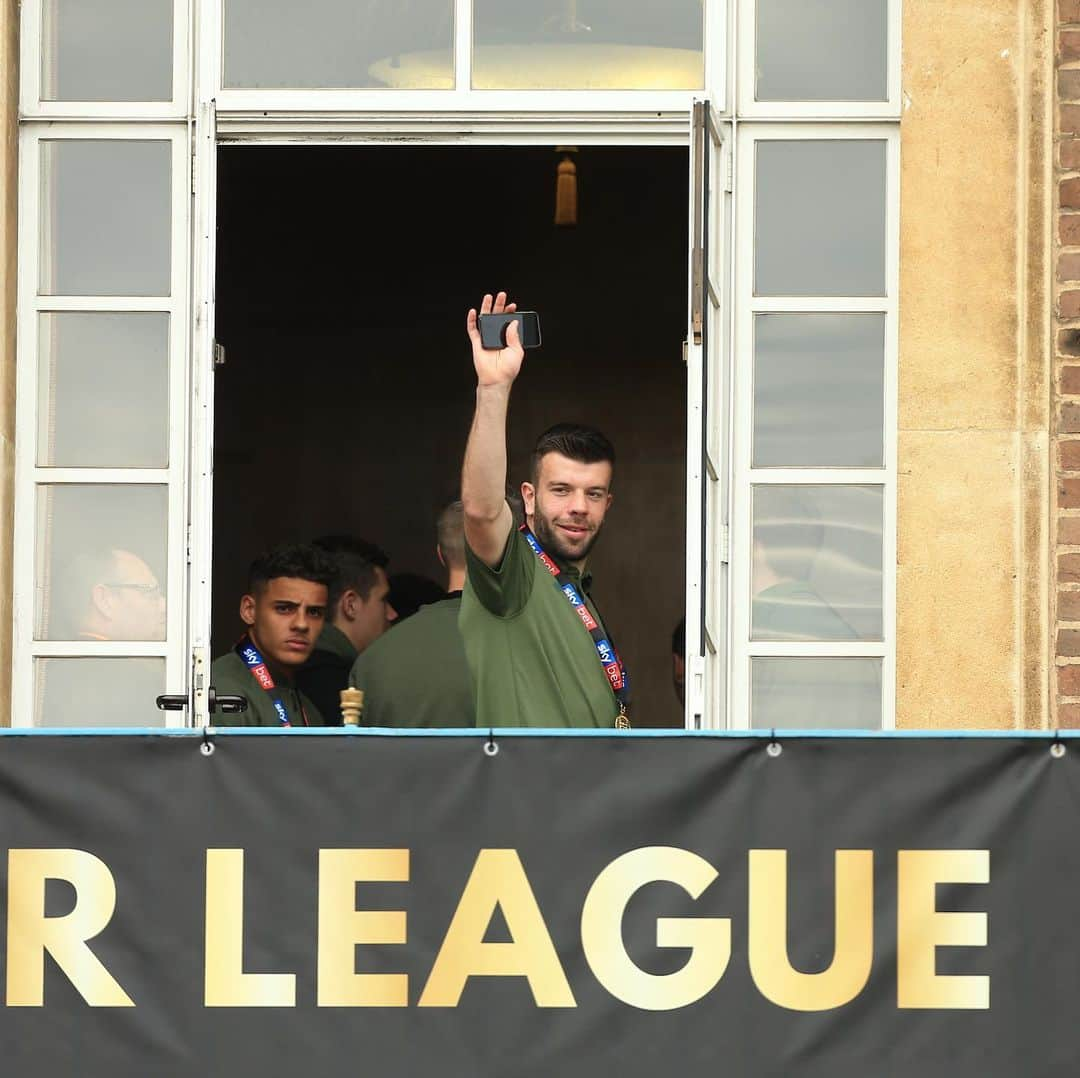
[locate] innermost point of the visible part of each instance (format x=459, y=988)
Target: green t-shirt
x=416, y=674
x=532, y=660
x=230, y=677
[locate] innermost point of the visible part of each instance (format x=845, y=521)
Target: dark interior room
x=344, y=276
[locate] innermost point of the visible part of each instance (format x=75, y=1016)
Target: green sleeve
x=504, y=590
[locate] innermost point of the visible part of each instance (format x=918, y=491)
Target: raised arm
x=488, y=518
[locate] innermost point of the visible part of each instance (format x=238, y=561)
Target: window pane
x=817, y=560
x=822, y=50
x=98, y=692
x=105, y=393
x=819, y=391
x=819, y=218
x=588, y=45
x=817, y=694
x=339, y=44
x=107, y=50
x=101, y=566
x=106, y=218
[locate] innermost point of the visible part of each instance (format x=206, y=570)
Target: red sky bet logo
x=262, y=676
x=614, y=675
x=586, y=617
x=549, y=565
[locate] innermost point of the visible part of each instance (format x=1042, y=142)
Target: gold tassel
x=566, y=191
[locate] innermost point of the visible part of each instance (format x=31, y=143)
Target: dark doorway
x=344, y=275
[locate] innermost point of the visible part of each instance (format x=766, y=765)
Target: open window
x=343, y=274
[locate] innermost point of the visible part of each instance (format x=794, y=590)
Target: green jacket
x=230, y=677
x=532, y=660
x=416, y=674
x=326, y=672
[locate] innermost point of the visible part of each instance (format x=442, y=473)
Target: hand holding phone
x=493, y=329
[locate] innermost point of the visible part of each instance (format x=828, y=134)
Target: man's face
x=365, y=620
x=567, y=506
x=130, y=604
x=285, y=618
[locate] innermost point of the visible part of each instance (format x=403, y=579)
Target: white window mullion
x=33, y=481
x=38, y=43
x=745, y=476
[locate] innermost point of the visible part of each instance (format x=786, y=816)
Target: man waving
x=538, y=650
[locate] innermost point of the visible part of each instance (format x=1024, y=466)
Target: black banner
x=335, y=904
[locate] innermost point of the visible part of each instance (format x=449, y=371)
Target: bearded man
x=537, y=647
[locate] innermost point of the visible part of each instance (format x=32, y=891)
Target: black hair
x=299, y=561
x=574, y=441
x=678, y=639
x=355, y=563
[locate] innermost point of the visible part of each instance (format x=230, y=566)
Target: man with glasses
x=109, y=594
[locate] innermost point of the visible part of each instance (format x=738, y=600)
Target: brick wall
x=1067, y=365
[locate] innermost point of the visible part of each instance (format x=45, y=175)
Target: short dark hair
x=575, y=441
x=678, y=639
x=299, y=561
x=355, y=563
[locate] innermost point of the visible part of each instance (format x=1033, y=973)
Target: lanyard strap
x=612, y=665
x=252, y=658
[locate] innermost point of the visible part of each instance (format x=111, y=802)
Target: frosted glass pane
x=816, y=694
x=588, y=45
x=817, y=560
x=819, y=218
x=822, y=50
x=98, y=692
x=105, y=393
x=106, y=218
x=339, y=44
x=101, y=562
x=107, y=50
x=819, y=385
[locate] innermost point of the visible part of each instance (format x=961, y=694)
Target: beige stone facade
x=976, y=595
x=973, y=586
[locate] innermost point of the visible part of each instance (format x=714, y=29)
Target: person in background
x=418, y=675
x=107, y=594
x=359, y=612
x=410, y=591
x=284, y=610
x=678, y=661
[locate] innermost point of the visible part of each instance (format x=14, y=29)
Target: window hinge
x=685, y=352
x=724, y=542
x=728, y=169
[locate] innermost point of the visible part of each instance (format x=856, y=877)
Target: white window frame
x=746, y=62
x=744, y=478
x=33, y=52
x=28, y=476
x=463, y=98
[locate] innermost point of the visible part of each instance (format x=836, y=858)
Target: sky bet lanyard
x=253, y=660
x=614, y=670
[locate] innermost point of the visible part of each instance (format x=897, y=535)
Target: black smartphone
x=493, y=329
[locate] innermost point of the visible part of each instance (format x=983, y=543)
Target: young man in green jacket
x=283, y=609
x=359, y=612
x=417, y=675
x=537, y=647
